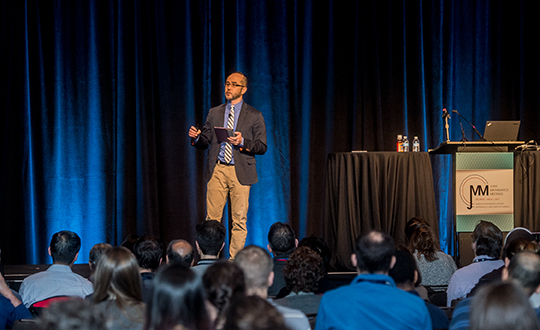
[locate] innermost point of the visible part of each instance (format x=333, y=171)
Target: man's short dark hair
x=488, y=239
x=524, y=268
x=403, y=270
x=244, y=79
x=173, y=256
x=374, y=251
x=281, y=238
x=148, y=250
x=64, y=247
x=210, y=235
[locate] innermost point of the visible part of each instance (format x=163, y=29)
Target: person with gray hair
x=257, y=266
x=523, y=270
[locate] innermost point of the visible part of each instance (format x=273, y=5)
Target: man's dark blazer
x=251, y=125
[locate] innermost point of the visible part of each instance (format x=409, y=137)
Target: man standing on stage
x=231, y=165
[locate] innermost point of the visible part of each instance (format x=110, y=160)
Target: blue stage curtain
x=98, y=97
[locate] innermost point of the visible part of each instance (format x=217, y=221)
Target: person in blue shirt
x=11, y=308
x=372, y=300
x=523, y=269
x=405, y=273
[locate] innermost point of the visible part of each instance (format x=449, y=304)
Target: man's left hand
x=236, y=139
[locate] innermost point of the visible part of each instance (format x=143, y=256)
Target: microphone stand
x=445, y=116
x=468, y=122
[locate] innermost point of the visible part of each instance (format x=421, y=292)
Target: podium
x=483, y=187
x=451, y=147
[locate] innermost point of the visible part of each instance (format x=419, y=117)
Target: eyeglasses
x=233, y=85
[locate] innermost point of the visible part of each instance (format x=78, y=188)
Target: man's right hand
x=194, y=132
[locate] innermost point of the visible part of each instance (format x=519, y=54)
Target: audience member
x=302, y=274
x=73, y=314
x=58, y=279
x=435, y=266
x=523, y=270
x=254, y=313
x=281, y=243
x=225, y=285
x=512, y=248
x=372, y=300
x=318, y=245
x=94, y=255
x=487, y=244
x=257, y=266
x=149, y=253
x=129, y=241
x=209, y=240
x=178, y=301
x=405, y=274
x=11, y=308
x=118, y=291
x=502, y=306
x=179, y=250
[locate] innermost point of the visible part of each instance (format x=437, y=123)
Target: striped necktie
x=228, y=146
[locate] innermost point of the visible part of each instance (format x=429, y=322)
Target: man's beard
x=233, y=96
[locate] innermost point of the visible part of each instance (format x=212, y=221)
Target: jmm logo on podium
x=477, y=192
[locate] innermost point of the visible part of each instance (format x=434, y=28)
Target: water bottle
x=415, y=144
x=405, y=144
x=399, y=143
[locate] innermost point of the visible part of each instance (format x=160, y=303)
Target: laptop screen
x=502, y=130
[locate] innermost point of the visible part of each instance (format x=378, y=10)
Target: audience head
x=254, y=313
x=374, y=252
x=149, y=251
x=524, y=270
x=519, y=245
x=178, y=301
x=303, y=270
x=487, y=239
x=518, y=233
x=210, y=237
x=224, y=284
x=501, y=306
x=421, y=239
x=130, y=241
x=65, y=246
x=257, y=266
x=281, y=239
x=318, y=245
x=181, y=251
x=95, y=253
x=117, y=277
x=405, y=271
x=75, y=313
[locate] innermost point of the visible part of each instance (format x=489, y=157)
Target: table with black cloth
x=527, y=190
x=375, y=190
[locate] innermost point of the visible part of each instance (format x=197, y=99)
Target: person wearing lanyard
x=231, y=166
x=487, y=245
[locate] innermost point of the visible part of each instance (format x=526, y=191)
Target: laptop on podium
x=501, y=130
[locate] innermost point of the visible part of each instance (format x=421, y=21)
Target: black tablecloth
x=375, y=190
x=527, y=190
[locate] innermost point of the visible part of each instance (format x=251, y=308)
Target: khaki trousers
x=223, y=184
